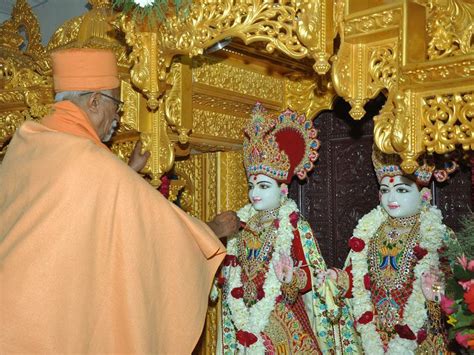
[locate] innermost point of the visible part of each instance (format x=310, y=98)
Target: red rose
x=260, y=293
x=367, y=282
x=421, y=335
x=366, y=318
x=405, y=332
x=230, y=260
x=165, y=186
x=220, y=281
x=419, y=252
x=469, y=299
x=276, y=223
x=246, y=338
x=237, y=292
x=294, y=218
x=356, y=244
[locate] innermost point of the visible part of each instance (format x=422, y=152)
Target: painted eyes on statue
x=401, y=189
x=261, y=185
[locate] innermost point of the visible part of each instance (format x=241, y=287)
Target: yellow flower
x=452, y=320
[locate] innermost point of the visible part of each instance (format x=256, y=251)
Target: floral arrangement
x=458, y=303
x=411, y=332
x=151, y=11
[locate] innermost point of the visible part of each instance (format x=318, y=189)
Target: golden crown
x=279, y=147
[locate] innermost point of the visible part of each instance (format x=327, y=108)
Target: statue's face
x=399, y=196
x=264, y=192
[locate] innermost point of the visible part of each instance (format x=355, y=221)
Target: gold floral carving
x=175, y=188
x=178, y=105
x=396, y=132
x=430, y=73
x=212, y=72
x=218, y=124
x=377, y=21
x=123, y=150
x=232, y=181
x=212, y=102
x=450, y=27
x=131, y=99
x=155, y=139
x=349, y=77
x=382, y=68
x=306, y=96
x=9, y=122
x=25, y=82
x=65, y=34
x=448, y=120
x=314, y=25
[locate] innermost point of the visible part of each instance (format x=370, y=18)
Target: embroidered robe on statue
x=300, y=327
x=93, y=259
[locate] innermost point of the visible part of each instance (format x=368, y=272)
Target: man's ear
x=93, y=102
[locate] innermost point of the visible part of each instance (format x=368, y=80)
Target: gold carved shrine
x=188, y=104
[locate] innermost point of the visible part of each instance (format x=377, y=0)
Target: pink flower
x=466, y=285
x=447, y=305
x=463, y=261
x=470, y=265
x=426, y=196
x=462, y=339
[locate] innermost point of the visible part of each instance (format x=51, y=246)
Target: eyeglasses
x=119, y=103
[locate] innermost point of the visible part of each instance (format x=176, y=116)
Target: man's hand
x=225, y=224
x=138, y=160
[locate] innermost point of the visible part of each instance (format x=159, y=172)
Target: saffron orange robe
x=92, y=258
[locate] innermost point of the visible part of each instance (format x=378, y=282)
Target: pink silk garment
x=92, y=258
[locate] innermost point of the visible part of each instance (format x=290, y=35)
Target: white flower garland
x=431, y=231
x=143, y=3
x=255, y=318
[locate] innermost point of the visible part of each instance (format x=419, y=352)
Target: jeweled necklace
x=415, y=315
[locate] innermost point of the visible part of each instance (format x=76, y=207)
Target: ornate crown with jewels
x=279, y=147
x=389, y=165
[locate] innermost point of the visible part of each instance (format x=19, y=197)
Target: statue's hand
x=322, y=275
x=138, y=160
x=225, y=224
x=432, y=285
x=284, y=268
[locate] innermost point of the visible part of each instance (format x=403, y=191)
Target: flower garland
x=415, y=315
x=254, y=319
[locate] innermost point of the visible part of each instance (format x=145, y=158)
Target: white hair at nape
x=71, y=95
x=68, y=95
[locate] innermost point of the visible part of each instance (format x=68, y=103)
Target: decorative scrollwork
x=382, y=68
x=448, y=121
x=450, y=27
x=373, y=22
x=305, y=96
x=461, y=70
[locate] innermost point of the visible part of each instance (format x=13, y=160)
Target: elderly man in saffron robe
x=93, y=259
